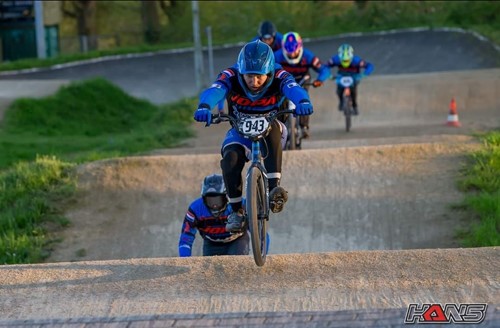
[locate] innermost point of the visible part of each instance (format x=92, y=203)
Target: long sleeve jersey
x=355, y=68
x=299, y=70
x=278, y=38
x=199, y=219
x=229, y=86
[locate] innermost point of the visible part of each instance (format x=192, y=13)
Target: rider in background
x=350, y=64
x=254, y=85
x=297, y=60
x=268, y=33
x=208, y=215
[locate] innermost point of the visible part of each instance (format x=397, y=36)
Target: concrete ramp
x=293, y=282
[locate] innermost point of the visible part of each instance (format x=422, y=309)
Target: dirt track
x=388, y=184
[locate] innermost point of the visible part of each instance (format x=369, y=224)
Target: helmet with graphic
x=292, y=47
x=346, y=53
x=213, y=192
x=256, y=57
x=267, y=30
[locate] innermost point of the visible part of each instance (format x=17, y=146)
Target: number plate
x=346, y=81
x=253, y=126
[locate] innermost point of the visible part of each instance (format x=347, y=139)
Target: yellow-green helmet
x=346, y=53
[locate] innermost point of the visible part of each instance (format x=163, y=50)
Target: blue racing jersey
x=199, y=219
x=354, y=68
x=228, y=85
x=301, y=69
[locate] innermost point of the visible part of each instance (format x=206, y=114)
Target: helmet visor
x=216, y=202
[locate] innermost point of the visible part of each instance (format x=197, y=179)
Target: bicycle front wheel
x=257, y=212
x=291, y=138
x=347, y=112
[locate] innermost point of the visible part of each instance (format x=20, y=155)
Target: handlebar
x=221, y=117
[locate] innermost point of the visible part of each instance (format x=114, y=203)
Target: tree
x=151, y=21
x=84, y=12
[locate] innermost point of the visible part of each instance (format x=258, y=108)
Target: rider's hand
x=317, y=83
x=359, y=77
x=304, y=108
x=203, y=114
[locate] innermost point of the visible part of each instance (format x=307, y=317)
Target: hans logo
x=448, y=313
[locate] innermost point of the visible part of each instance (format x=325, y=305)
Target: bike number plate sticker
x=346, y=81
x=253, y=126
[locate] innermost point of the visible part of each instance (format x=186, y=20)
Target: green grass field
x=41, y=140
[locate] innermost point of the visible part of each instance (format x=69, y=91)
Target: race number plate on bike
x=253, y=126
x=346, y=81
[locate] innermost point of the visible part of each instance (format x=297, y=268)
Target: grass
x=30, y=195
x=103, y=122
x=481, y=181
x=41, y=141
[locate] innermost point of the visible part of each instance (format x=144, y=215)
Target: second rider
x=254, y=85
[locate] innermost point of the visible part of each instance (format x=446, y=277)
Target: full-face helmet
x=292, y=47
x=346, y=53
x=256, y=57
x=213, y=192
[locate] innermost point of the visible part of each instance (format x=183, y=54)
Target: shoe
x=236, y=221
x=355, y=110
x=305, y=132
x=277, y=199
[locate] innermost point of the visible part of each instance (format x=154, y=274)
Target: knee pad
x=232, y=160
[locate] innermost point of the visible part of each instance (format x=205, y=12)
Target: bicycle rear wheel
x=257, y=212
x=347, y=112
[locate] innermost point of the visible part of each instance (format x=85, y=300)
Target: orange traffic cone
x=453, y=116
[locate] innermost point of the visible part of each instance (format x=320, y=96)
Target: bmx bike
x=347, y=82
x=292, y=123
x=255, y=127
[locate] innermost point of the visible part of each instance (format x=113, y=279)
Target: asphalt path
x=169, y=76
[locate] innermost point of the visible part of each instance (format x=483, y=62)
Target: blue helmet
x=256, y=57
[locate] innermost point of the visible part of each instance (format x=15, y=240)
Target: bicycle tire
x=347, y=112
x=291, y=138
x=257, y=213
x=298, y=134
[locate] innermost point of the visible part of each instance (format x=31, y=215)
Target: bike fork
x=256, y=161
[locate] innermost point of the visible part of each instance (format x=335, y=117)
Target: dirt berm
x=365, y=208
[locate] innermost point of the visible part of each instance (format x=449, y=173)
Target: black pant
x=234, y=159
x=238, y=246
x=340, y=91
